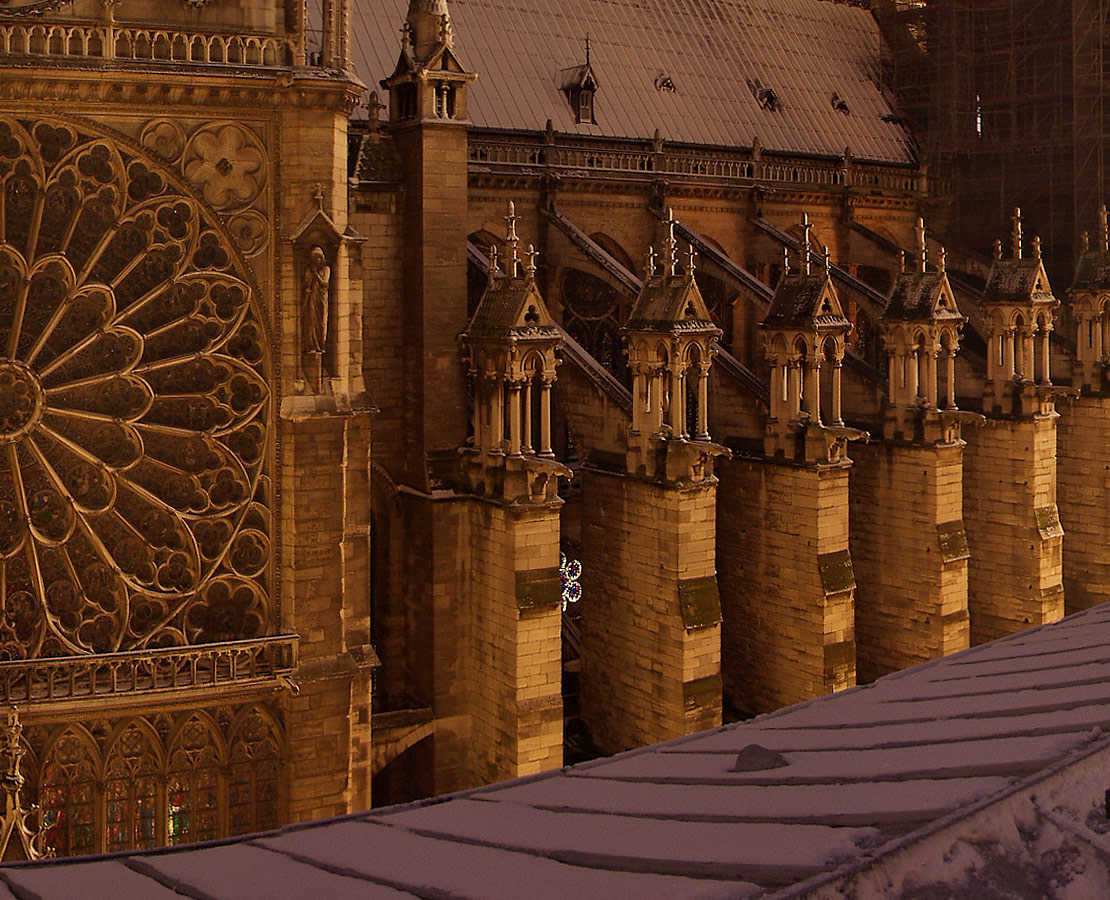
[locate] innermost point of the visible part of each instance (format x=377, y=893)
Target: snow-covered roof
x=978, y=775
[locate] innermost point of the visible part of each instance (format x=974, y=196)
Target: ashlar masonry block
x=1015, y=575
x=514, y=627
x=1083, y=483
x=910, y=554
x=787, y=583
x=651, y=612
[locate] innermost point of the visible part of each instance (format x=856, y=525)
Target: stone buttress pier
x=787, y=580
x=906, y=513
x=1083, y=469
x=512, y=634
x=651, y=619
x=1013, y=527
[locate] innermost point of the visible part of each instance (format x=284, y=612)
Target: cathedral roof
x=938, y=781
x=1018, y=281
x=670, y=303
x=799, y=75
x=512, y=307
x=1093, y=272
x=922, y=297
x=805, y=300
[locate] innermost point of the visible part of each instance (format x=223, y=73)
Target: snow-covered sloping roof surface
x=717, y=54
x=746, y=810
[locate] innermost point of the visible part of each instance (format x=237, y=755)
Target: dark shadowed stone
x=754, y=758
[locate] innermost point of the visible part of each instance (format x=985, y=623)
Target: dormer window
x=764, y=95
x=579, y=85
x=585, y=108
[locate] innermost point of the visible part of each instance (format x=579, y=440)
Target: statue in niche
x=314, y=302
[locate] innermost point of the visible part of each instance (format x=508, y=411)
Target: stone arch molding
x=135, y=406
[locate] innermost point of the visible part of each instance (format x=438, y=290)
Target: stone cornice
x=180, y=86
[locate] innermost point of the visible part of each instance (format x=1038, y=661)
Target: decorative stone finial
x=998, y=250
x=512, y=242
x=530, y=262
x=942, y=265
x=1085, y=240
x=1036, y=246
x=494, y=263
x=670, y=260
x=1103, y=229
x=826, y=259
x=806, y=228
x=922, y=246
x=650, y=261
x=1015, y=236
x=691, y=260
x=785, y=261
x=905, y=258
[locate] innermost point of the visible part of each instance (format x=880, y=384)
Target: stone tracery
x=134, y=407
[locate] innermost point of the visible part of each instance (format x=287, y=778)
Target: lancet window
x=253, y=777
x=131, y=777
x=592, y=316
x=193, y=784
x=67, y=795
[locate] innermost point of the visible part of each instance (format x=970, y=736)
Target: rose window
x=134, y=407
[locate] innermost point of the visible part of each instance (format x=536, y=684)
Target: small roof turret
x=512, y=306
x=1020, y=280
x=1093, y=272
x=805, y=298
x=920, y=295
x=428, y=27
x=670, y=301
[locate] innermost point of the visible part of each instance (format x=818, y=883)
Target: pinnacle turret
x=429, y=26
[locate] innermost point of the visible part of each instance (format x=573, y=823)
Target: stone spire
x=429, y=26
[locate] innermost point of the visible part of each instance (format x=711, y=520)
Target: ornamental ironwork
x=134, y=407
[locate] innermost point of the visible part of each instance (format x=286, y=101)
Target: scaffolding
x=1007, y=96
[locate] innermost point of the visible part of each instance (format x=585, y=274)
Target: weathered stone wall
x=1013, y=529
x=1083, y=482
x=910, y=554
x=328, y=722
x=650, y=667
x=788, y=632
x=513, y=670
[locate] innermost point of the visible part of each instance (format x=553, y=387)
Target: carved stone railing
x=124, y=42
x=236, y=663
x=686, y=163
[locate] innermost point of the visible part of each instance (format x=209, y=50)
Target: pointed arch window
x=131, y=792
x=253, y=776
x=68, y=796
x=193, y=785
